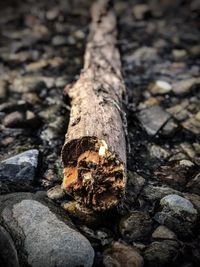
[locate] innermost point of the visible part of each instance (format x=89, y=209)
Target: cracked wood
x=94, y=153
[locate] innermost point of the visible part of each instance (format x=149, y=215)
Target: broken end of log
x=93, y=175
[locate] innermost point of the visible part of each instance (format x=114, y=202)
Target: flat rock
x=18, y=172
x=153, y=118
x=42, y=238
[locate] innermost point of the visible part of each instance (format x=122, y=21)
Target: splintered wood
x=94, y=153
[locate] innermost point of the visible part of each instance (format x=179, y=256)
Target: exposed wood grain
x=94, y=153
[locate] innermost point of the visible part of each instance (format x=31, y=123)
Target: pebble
x=13, y=119
x=140, y=11
x=192, y=124
x=18, y=172
x=135, y=182
x=185, y=86
x=8, y=255
x=169, y=128
x=154, y=193
x=163, y=232
x=178, y=205
x=136, y=226
x=158, y=152
x=145, y=53
x=178, y=214
x=56, y=193
x=122, y=255
x=87, y=216
x=27, y=84
x=179, y=54
x=161, y=253
x=59, y=40
x=18, y=119
x=46, y=239
x=152, y=119
x=160, y=87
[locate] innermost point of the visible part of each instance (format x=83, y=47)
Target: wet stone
x=122, y=255
x=153, y=118
x=136, y=226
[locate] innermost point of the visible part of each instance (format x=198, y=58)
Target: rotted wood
x=94, y=153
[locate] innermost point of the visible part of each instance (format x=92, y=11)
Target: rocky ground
x=157, y=223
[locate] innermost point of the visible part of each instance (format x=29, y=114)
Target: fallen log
x=94, y=153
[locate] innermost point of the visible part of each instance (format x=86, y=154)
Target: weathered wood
x=94, y=153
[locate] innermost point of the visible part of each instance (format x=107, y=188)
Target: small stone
x=87, y=216
x=56, y=193
x=178, y=214
x=140, y=11
x=185, y=86
x=8, y=255
x=160, y=87
x=27, y=84
x=59, y=40
x=135, y=182
x=179, y=54
x=154, y=193
x=163, y=232
x=158, y=152
x=122, y=255
x=143, y=54
x=13, y=119
x=170, y=127
x=178, y=204
x=18, y=172
x=161, y=253
x=45, y=239
x=153, y=118
x=192, y=125
x=136, y=226
x=52, y=14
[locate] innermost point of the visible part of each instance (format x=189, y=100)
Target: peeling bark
x=94, y=153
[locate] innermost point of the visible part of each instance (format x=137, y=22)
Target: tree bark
x=94, y=153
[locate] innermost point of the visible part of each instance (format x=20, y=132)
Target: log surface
x=94, y=153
